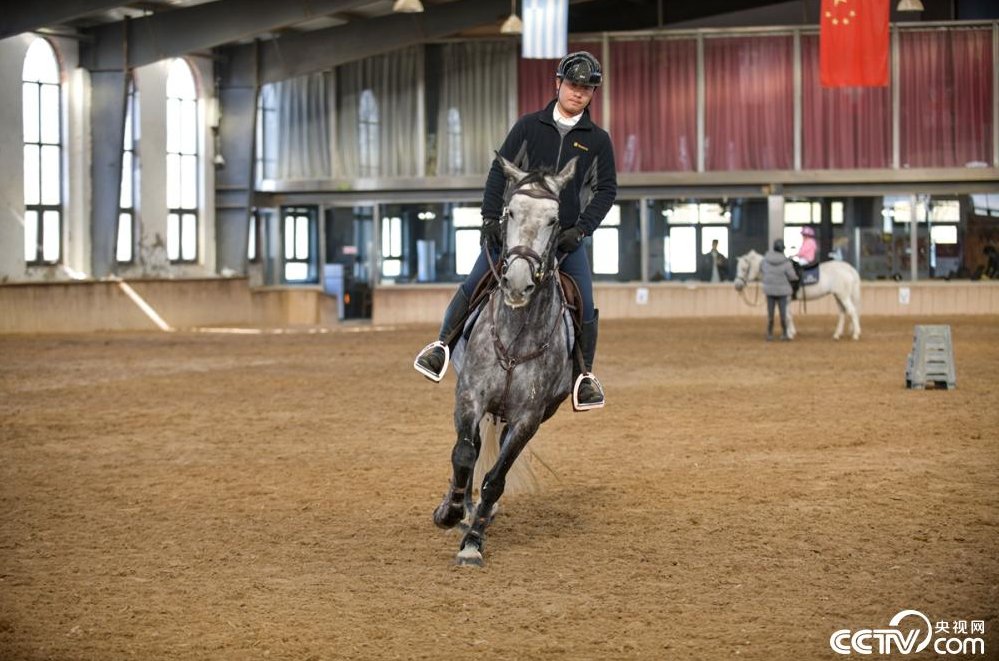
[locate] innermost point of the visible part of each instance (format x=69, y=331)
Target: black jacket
x=534, y=142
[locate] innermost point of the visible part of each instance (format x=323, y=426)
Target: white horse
x=836, y=277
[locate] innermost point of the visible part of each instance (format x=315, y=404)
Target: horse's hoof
x=448, y=514
x=469, y=556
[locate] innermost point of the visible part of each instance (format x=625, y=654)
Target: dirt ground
x=210, y=496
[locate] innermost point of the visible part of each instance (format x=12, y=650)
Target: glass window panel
x=29, y=106
x=296, y=271
x=126, y=143
x=944, y=234
x=49, y=112
x=173, y=181
x=302, y=237
x=681, y=214
x=945, y=211
x=40, y=63
x=189, y=237
x=50, y=175
x=251, y=242
x=797, y=213
x=396, y=234
x=50, y=236
x=123, y=250
x=289, y=237
x=173, y=237
x=613, y=217
x=714, y=233
x=180, y=80
x=391, y=268
x=189, y=182
x=32, y=195
x=30, y=236
x=467, y=249
x=466, y=217
x=189, y=127
x=792, y=240
x=125, y=199
x=711, y=213
x=605, y=249
x=386, y=237
x=681, y=250
x=173, y=124
x=836, y=210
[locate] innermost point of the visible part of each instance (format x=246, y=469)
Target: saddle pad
x=810, y=275
x=458, y=355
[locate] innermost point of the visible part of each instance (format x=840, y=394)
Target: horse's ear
x=511, y=171
x=566, y=175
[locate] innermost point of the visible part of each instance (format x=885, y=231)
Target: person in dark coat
x=549, y=138
x=778, y=274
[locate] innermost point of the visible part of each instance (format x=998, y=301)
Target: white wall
x=150, y=259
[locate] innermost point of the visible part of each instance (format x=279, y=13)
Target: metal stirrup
x=576, y=404
x=427, y=373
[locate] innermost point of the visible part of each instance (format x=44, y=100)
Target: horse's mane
x=540, y=177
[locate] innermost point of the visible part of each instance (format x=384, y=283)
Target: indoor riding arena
x=229, y=230
x=197, y=495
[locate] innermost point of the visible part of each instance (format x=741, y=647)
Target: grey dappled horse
x=836, y=277
x=516, y=365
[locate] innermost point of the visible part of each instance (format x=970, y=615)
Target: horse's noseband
x=538, y=263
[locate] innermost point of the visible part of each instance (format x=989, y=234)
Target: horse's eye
x=553, y=220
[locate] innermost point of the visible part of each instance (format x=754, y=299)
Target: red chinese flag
x=853, y=43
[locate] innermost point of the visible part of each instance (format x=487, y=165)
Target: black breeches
x=779, y=301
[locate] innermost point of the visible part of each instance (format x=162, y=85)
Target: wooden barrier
x=412, y=304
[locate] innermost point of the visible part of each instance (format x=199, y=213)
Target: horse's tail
x=521, y=478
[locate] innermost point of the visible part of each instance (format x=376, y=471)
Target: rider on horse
x=548, y=139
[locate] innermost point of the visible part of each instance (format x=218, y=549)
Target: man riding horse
x=548, y=139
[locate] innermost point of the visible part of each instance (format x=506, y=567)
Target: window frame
x=179, y=215
x=41, y=209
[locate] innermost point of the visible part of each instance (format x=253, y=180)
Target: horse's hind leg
x=841, y=319
x=515, y=440
x=451, y=509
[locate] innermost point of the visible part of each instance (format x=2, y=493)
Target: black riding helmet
x=779, y=245
x=580, y=68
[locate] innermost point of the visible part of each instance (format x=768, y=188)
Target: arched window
x=368, y=134
x=182, y=163
x=42, y=155
x=455, y=163
x=125, y=250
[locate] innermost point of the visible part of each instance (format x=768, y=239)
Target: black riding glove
x=491, y=232
x=569, y=239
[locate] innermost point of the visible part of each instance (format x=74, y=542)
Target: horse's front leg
x=516, y=437
x=791, y=330
x=451, y=509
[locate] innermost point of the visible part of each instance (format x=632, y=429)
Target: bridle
x=542, y=266
x=745, y=286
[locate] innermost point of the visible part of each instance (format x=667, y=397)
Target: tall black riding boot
x=587, y=393
x=433, y=359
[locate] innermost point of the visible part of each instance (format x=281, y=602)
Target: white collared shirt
x=563, y=120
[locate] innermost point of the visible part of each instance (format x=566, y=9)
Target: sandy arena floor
x=204, y=496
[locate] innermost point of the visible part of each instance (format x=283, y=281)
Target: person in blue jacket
x=549, y=138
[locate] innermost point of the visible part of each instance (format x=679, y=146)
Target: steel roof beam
x=22, y=16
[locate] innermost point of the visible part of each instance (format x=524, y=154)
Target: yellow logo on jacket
x=580, y=146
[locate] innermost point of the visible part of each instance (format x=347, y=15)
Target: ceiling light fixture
x=513, y=24
x=910, y=5
x=408, y=6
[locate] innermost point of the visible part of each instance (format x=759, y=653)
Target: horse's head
x=747, y=269
x=531, y=229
